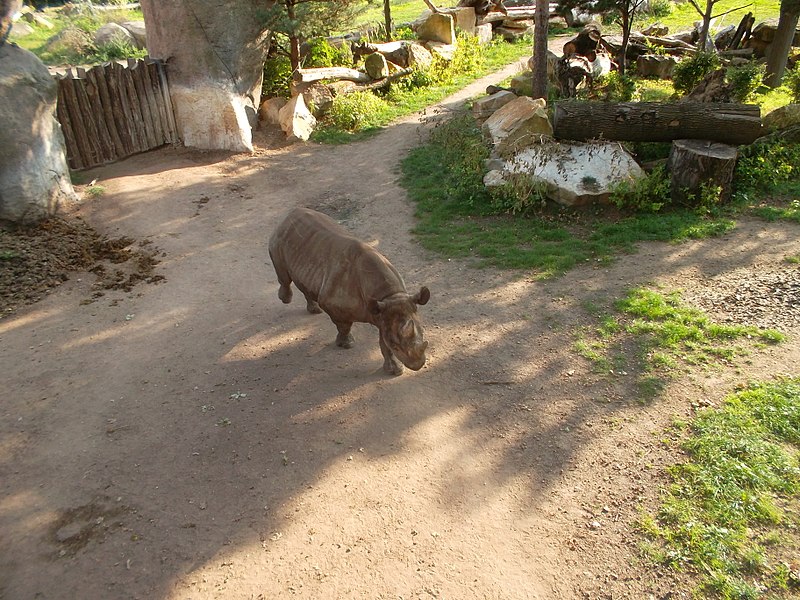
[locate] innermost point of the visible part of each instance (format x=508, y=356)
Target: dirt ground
x=189, y=436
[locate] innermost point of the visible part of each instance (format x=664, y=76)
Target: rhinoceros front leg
x=390, y=364
x=345, y=338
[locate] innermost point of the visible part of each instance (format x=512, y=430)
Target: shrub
x=791, y=80
x=648, y=194
x=612, y=87
x=277, y=77
x=359, y=110
x=691, y=71
x=520, y=194
x=745, y=80
x=469, y=55
x=322, y=54
x=763, y=166
x=661, y=8
x=117, y=49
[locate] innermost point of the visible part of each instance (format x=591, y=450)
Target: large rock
x=485, y=107
x=215, y=67
x=444, y=51
x=139, y=32
x=465, y=19
x=317, y=96
x=376, y=66
x=419, y=56
x=520, y=123
x=296, y=120
x=522, y=83
x=484, y=33
x=270, y=109
x=113, y=33
x=655, y=65
x=438, y=27
x=782, y=118
x=574, y=174
x=34, y=178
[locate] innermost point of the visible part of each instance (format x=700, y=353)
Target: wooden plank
x=99, y=76
x=79, y=127
x=116, y=95
x=131, y=107
x=70, y=143
x=144, y=108
x=155, y=84
x=152, y=102
x=173, y=127
x=97, y=116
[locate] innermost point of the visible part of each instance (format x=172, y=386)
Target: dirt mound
x=36, y=259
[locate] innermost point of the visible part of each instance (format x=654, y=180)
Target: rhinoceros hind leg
x=345, y=338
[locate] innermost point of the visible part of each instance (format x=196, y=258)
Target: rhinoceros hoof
x=392, y=367
x=345, y=341
x=285, y=294
x=313, y=307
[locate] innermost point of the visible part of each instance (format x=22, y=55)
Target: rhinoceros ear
x=374, y=306
x=422, y=296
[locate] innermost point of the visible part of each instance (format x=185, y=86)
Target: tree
x=625, y=11
x=295, y=21
x=540, y=49
x=782, y=42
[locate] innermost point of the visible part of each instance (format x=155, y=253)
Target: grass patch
x=683, y=14
x=656, y=333
x=458, y=217
x=730, y=515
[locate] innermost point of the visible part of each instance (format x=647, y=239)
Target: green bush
x=277, y=77
x=648, y=194
x=322, y=54
x=761, y=167
x=691, y=71
x=661, y=8
x=612, y=87
x=745, y=80
x=359, y=110
x=117, y=49
x=791, y=79
x=519, y=195
x=469, y=56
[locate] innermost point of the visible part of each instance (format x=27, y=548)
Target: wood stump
x=698, y=164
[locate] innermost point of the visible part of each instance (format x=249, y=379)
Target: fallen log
x=735, y=124
x=336, y=73
x=662, y=41
x=698, y=167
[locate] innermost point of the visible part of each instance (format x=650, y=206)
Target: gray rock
x=655, y=65
x=419, y=56
x=112, y=32
x=138, y=31
x=34, y=178
x=376, y=66
x=437, y=27
x=485, y=107
x=519, y=124
x=484, y=33
x=782, y=118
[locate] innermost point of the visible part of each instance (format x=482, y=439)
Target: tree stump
x=699, y=165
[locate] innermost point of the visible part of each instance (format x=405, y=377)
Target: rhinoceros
x=351, y=282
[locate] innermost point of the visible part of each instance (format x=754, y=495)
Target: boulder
x=485, y=107
x=512, y=35
x=575, y=174
x=522, y=83
x=438, y=27
x=444, y=51
x=317, y=96
x=113, y=32
x=270, y=109
x=655, y=65
x=419, y=56
x=465, y=19
x=484, y=33
x=37, y=19
x=296, y=120
x=34, y=177
x=656, y=29
x=724, y=36
x=519, y=124
x=782, y=118
x=138, y=31
x=70, y=38
x=20, y=30
x=375, y=65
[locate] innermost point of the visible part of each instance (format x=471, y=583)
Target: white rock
x=296, y=120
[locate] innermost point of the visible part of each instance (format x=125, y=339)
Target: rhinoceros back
x=328, y=263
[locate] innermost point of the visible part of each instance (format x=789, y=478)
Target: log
x=311, y=75
x=664, y=42
x=698, y=164
x=735, y=124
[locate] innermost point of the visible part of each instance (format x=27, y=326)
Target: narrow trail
x=198, y=439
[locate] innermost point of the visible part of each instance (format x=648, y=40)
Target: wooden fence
x=111, y=111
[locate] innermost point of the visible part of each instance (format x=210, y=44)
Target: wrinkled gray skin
x=351, y=282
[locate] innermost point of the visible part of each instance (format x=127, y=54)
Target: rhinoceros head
x=400, y=327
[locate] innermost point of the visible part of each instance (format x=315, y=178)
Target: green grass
x=458, y=217
x=730, y=514
x=655, y=334
x=683, y=14
x=403, y=11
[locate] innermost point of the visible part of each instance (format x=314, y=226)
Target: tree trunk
x=323, y=73
x=540, y=49
x=387, y=18
x=697, y=167
x=657, y=122
x=215, y=52
x=782, y=42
